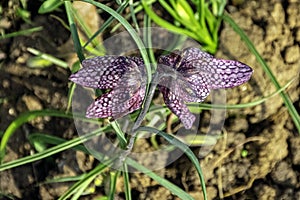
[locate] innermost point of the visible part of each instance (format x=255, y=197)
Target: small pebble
x=292, y=54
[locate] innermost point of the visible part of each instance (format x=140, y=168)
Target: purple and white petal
x=125, y=98
x=170, y=60
x=122, y=105
x=219, y=73
x=116, y=103
x=188, y=55
x=101, y=107
x=188, y=76
x=177, y=106
x=104, y=72
x=200, y=84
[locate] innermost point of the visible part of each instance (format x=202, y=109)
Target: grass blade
x=127, y=189
x=51, y=151
x=288, y=102
x=74, y=32
x=53, y=140
x=23, y=32
x=87, y=179
x=112, y=184
x=207, y=106
x=106, y=24
x=28, y=116
x=49, y=57
x=177, y=143
x=162, y=181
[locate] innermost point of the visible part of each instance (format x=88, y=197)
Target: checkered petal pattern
x=124, y=76
x=199, y=73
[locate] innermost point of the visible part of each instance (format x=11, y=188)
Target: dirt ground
x=269, y=170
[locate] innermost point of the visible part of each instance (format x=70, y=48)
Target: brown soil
x=270, y=170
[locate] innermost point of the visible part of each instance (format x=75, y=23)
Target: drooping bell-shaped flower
x=122, y=76
x=196, y=73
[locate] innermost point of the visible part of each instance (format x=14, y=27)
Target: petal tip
x=188, y=122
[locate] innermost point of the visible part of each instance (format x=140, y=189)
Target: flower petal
x=104, y=72
x=219, y=73
x=191, y=87
x=123, y=99
x=124, y=106
x=102, y=106
x=190, y=54
x=177, y=106
x=116, y=103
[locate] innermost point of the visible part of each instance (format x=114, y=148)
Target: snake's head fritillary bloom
x=193, y=74
x=124, y=77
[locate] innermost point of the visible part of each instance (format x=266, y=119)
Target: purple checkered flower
x=194, y=74
x=185, y=76
x=122, y=76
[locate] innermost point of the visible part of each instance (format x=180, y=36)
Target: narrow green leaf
x=51, y=151
x=112, y=184
x=120, y=134
x=162, y=181
x=163, y=23
x=22, y=32
x=132, y=14
x=89, y=177
x=206, y=106
x=28, y=116
x=53, y=140
x=189, y=153
x=131, y=31
x=48, y=58
x=74, y=33
x=64, y=179
x=288, y=102
x=49, y=6
x=106, y=24
x=127, y=188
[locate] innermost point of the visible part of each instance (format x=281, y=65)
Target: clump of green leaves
x=201, y=23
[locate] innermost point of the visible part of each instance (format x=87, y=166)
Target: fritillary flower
x=122, y=76
x=196, y=74
x=184, y=76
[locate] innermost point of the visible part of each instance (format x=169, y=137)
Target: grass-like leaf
x=53, y=140
x=177, y=143
x=28, y=116
x=83, y=183
x=206, y=106
x=288, y=102
x=22, y=32
x=127, y=189
x=49, y=6
x=106, y=24
x=73, y=29
x=62, y=145
x=48, y=57
x=112, y=184
x=162, y=181
x=51, y=151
